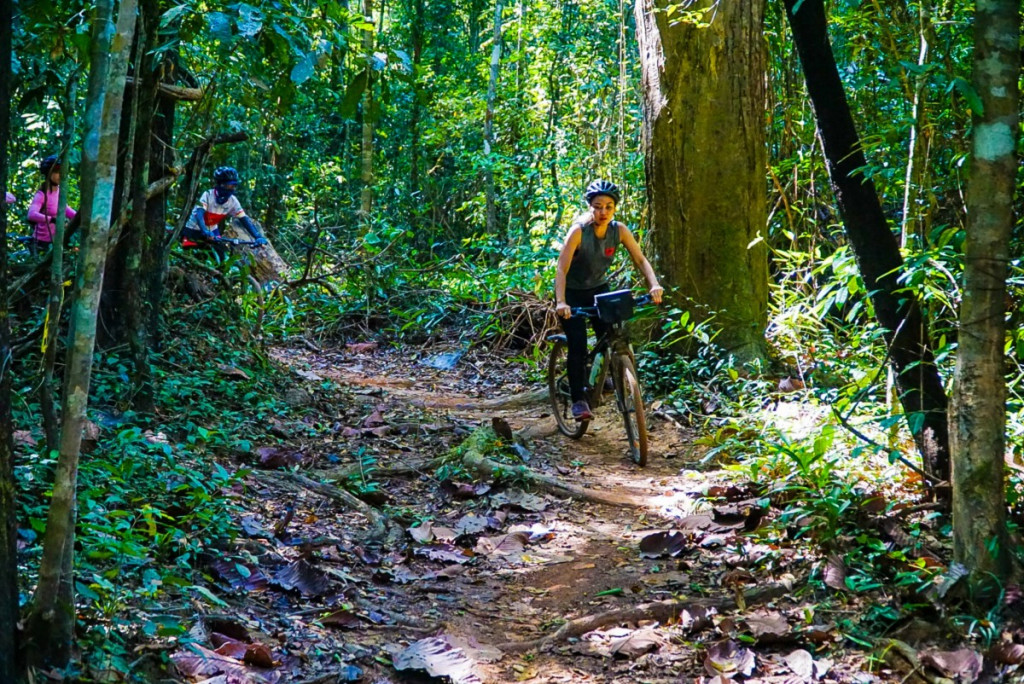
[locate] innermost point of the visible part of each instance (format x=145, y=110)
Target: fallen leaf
x=519, y=499
x=502, y=429
x=239, y=574
x=473, y=523
x=308, y=375
x=801, y=663
x=727, y=658
x=345, y=619
x=258, y=655
x=664, y=544
x=963, y=663
x=446, y=552
x=462, y=490
x=835, y=573
x=636, y=644
x=304, y=577
x=502, y=545
x=361, y=347
x=1007, y=653
x=278, y=457
x=232, y=372
x=423, y=533
x=440, y=658
x=768, y=628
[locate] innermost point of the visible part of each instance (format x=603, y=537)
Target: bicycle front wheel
x=631, y=405
x=558, y=392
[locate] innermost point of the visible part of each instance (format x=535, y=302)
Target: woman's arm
x=35, y=210
x=572, y=243
x=641, y=263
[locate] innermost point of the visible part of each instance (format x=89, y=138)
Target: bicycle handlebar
x=237, y=242
x=592, y=310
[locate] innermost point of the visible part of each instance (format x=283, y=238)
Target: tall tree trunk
x=916, y=171
x=52, y=618
x=55, y=301
x=414, y=121
x=366, y=174
x=704, y=144
x=874, y=244
x=161, y=162
x=492, y=91
x=133, y=243
x=980, y=538
x=10, y=666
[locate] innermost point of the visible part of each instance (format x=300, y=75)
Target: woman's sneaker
x=581, y=410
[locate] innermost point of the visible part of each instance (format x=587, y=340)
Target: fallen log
x=381, y=527
x=265, y=264
x=658, y=611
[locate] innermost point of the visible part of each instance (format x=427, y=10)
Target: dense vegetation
x=485, y=122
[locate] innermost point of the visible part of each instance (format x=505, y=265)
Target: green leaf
x=610, y=592
x=303, y=69
x=173, y=14
x=250, y=20
x=968, y=92
x=209, y=595
x=353, y=93
x=220, y=26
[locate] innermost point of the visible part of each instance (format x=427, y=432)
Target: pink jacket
x=43, y=211
x=10, y=198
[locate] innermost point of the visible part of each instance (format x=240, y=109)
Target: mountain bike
x=612, y=356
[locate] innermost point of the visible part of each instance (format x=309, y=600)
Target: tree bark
x=52, y=618
x=704, y=143
x=874, y=245
x=10, y=665
x=55, y=302
x=980, y=540
x=492, y=90
x=366, y=173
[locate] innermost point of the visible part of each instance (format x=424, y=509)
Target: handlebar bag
x=614, y=307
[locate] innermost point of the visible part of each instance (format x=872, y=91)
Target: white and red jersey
x=214, y=212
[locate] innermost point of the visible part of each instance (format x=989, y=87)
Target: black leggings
x=576, y=335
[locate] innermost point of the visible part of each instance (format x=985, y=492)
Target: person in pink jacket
x=42, y=213
x=10, y=198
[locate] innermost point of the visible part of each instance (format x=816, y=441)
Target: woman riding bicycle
x=582, y=273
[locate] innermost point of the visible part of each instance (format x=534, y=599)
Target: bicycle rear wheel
x=631, y=405
x=558, y=392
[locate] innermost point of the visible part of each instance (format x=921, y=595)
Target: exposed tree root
x=903, y=659
x=343, y=473
x=381, y=527
x=659, y=611
x=473, y=458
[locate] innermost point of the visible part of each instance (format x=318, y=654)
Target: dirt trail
x=582, y=559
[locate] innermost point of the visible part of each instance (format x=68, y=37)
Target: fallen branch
x=343, y=473
x=173, y=91
x=512, y=401
x=659, y=611
x=381, y=527
x=473, y=457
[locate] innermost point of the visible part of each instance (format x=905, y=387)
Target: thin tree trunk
x=161, y=161
x=55, y=302
x=52, y=618
x=492, y=91
x=414, y=122
x=705, y=151
x=980, y=540
x=10, y=665
x=874, y=244
x=912, y=220
x=133, y=298
x=366, y=174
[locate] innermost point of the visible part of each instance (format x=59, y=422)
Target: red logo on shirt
x=609, y=251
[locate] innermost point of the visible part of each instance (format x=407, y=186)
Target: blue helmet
x=225, y=174
x=48, y=164
x=602, y=187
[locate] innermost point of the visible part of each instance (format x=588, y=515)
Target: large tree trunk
x=704, y=143
x=980, y=539
x=874, y=244
x=492, y=92
x=10, y=670
x=52, y=619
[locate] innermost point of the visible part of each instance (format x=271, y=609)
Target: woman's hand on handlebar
x=563, y=310
x=656, y=293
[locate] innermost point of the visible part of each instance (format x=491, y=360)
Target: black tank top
x=593, y=257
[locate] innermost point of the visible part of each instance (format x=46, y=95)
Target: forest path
x=537, y=561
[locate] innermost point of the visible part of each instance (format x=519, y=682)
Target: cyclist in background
x=42, y=212
x=582, y=273
x=215, y=205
